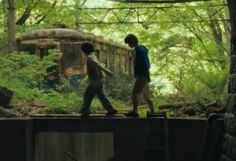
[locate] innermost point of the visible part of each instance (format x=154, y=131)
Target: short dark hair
x=87, y=47
x=131, y=38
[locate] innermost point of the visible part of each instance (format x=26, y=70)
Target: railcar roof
x=55, y=33
x=64, y=34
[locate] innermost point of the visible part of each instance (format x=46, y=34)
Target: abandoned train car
x=72, y=63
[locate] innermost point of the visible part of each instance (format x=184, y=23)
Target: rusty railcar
x=112, y=55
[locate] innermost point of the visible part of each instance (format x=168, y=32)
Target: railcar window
x=71, y=55
x=110, y=58
x=103, y=58
x=117, y=63
x=107, y=59
x=43, y=50
x=28, y=48
x=130, y=64
x=122, y=64
x=97, y=53
x=126, y=64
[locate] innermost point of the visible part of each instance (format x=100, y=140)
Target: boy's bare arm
x=96, y=63
x=105, y=70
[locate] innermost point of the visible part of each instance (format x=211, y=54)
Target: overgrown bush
x=119, y=87
x=209, y=85
x=25, y=74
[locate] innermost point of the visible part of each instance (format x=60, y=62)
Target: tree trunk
x=77, y=21
x=232, y=13
x=11, y=26
x=227, y=29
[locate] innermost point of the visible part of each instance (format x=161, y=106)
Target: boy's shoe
x=111, y=113
x=132, y=114
x=84, y=113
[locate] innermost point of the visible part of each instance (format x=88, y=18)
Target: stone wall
x=229, y=139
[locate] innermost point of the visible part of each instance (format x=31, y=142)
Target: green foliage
x=25, y=74
x=119, y=88
x=62, y=102
x=209, y=85
x=187, y=48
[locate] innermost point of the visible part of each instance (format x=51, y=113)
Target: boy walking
x=95, y=82
x=141, y=74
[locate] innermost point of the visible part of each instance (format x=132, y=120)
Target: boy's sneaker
x=84, y=113
x=132, y=114
x=111, y=113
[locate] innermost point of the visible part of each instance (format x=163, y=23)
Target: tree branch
x=44, y=16
x=26, y=14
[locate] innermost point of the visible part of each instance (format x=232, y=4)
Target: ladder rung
x=154, y=144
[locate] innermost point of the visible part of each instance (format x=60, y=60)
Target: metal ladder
x=157, y=139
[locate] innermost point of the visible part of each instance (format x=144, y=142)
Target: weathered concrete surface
x=125, y=139
x=69, y=146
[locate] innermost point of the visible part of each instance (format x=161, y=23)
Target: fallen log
x=9, y=113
